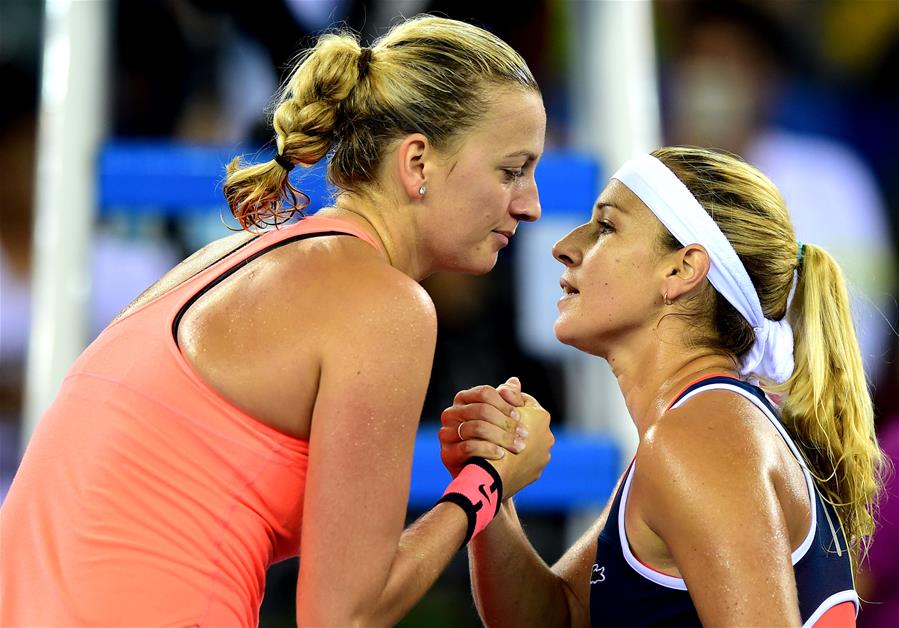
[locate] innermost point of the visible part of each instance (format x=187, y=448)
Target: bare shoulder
x=361, y=279
x=355, y=292
x=316, y=311
x=716, y=440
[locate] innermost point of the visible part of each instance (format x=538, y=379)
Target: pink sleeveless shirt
x=144, y=497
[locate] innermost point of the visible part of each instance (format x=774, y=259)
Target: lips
x=506, y=235
x=567, y=288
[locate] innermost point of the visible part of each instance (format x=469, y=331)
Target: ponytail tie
x=284, y=162
x=364, y=61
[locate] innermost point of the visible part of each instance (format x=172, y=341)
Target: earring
x=421, y=190
x=667, y=300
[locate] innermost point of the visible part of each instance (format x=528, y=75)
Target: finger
x=481, y=430
x=510, y=391
x=477, y=412
x=477, y=393
x=513, y=382
x=511, y=440
x=448, y=435
x=484, y=394
x=499, y=413
x=457, y=453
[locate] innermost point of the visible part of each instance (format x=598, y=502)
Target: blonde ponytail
x=827, y=406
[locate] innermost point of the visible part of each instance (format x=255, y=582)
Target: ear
x=411, y=156
x=685, y=270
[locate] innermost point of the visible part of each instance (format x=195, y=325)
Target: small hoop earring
x=422, y=190
x=667, y=300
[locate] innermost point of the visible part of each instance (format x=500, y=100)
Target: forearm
x=512, y=585
x=425, y=549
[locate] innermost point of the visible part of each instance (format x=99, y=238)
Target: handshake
x=494, y=442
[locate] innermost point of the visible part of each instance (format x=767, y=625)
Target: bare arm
x=511, y=583
x=358, y=567
x=513, y=586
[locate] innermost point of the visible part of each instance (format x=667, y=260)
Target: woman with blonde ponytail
x=261, y=400
x=749, y=501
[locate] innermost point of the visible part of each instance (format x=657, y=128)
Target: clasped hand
x=503, y=425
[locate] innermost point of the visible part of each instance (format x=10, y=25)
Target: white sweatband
x=771, y=356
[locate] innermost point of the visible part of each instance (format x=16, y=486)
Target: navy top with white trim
x=625, y=592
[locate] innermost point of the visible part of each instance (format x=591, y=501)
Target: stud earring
x=421, y=190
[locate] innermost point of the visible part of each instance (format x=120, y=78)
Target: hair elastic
x=478, y=490
x=800, y=254
x=364, y=62
x=284, y=162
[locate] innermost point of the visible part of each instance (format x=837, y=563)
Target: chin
x=567, y=337
x=561, y=335
x=478, y=266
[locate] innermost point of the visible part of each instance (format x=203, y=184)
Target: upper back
x=260, y=336
x=201, y=260
x=251, y=312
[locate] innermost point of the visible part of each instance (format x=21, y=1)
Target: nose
x=566, y=252
x=525, y=205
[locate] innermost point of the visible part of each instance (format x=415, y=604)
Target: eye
x=605, y=226
x=511, y=174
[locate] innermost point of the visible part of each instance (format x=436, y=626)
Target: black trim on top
x=248, y=242
x=752, y=389
x=212, y=284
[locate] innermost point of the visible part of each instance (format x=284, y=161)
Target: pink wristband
x=478, y=490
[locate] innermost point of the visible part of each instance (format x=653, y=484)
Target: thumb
x=513, y=382
x=510, y=391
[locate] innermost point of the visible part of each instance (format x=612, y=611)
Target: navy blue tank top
x=625, y=592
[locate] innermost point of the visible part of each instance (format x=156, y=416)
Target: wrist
x=478, y=491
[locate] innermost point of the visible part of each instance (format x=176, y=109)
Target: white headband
x=771, y=357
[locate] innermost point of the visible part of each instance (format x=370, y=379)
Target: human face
x=477, y=194
x=612, y=275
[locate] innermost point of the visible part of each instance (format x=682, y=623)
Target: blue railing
x=581, y=474
x=162, y=177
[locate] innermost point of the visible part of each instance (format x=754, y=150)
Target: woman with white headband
x=736, y=510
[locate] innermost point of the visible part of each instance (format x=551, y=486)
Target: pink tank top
x=144, y=498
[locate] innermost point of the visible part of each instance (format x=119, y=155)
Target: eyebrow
x=612, y=205
x=522, y=153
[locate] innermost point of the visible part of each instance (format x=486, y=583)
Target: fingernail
x=519, y=445
x=521, y=431
x=500, y=452
x=514, y=414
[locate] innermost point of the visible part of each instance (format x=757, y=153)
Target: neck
x=388, y=224
x=651, y=375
